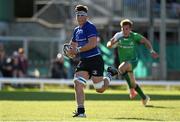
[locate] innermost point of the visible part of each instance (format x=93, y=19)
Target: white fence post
x=42, y=86
x=42, y=81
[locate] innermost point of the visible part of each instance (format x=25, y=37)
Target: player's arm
x=112, y=43
x=148, y=45
x=92, y=43
x=114, y=40
x=73, y=44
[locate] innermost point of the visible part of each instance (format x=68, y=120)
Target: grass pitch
x=112, y=106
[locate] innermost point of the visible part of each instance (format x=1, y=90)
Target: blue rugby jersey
x=81, y=35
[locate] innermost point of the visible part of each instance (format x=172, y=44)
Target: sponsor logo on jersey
x=94, y=72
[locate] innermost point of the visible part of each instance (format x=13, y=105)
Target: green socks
x=137, y=88
x=140, y=92
x=126, y=76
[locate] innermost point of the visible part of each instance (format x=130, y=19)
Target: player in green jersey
x=127, y=41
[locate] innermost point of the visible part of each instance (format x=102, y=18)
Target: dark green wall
x=6, y=10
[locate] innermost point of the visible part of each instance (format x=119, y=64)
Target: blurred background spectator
x=6, y=64
x=22, y=62
x=58, y=70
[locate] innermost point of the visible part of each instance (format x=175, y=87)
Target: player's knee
x=99, y=86
x=100, y=90
x=133, y=85
x=121, y=70
x=79, y=80
x=78, y=85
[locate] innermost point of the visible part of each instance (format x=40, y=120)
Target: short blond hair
x=126, y=22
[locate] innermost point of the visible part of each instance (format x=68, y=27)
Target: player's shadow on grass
x=137, y=119
x=153, y=106
x=53, y=96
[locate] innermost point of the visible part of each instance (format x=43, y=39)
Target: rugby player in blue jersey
x=91, y=66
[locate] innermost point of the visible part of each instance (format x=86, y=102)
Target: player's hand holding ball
x=69, y=51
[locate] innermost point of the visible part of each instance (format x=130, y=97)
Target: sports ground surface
x=112, y=106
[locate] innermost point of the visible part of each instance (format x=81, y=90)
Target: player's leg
x=128, y=67
x=136, y=86
x=100, y=82
x=138, y=89
x=144, y=97
x=125, y=69
x=80, y=80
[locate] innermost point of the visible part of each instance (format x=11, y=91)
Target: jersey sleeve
x=91, y=31
x=73, y=36
x=118, y=35
x=137, y=37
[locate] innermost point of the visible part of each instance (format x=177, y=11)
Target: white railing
x=41, y=82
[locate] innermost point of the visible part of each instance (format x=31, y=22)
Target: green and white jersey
x=127, y=46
